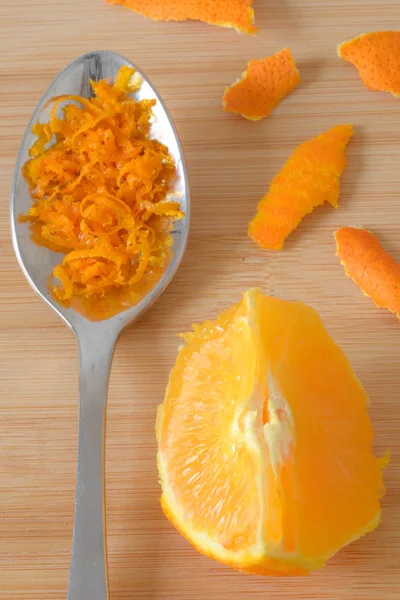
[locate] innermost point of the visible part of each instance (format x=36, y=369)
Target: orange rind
x=310, y=177
x=376, y=56
x=262, y=86
x=236, y=14
x=264, y=441
x=370, y=266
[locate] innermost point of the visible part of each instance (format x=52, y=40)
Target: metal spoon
x=96, y=340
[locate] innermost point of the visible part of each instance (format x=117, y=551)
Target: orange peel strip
x=262, y=86
x=370, y=266
x=236, y=14
x=376, y=56
x=310, y=177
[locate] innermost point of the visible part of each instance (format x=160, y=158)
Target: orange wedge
x=262, y=86
x=264, y=441
x=370, y=266
x=377, y=58
x=310, y=177
x=237, y=14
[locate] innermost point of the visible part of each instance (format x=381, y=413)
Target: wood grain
x=230, y=163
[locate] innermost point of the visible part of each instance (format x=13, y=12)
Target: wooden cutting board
x=230, y=163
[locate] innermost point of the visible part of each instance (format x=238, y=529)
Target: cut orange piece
x=377, y=58
x=310, y=177
x=370, y=266
x=237, y=14
x=264, y=441
x=262, y=86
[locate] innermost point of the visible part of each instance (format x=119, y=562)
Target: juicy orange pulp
x=265, y=444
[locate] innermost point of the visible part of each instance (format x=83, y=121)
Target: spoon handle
x=88, y=575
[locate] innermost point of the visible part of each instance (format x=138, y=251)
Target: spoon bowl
x=38, y=262
x=96, y=339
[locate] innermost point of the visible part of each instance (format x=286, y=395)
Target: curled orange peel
x=310, y=177
x=376, y=56
x=262, y=86
x=264, y=441
x=373, y=269
x=100, y=189
x=236, y=14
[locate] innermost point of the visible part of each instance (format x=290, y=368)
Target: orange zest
x=237, y=14
x=370, y=266
x=262, y=86
x=265, y=443
x=310, y=177
x=376, y=56
x=100, y=195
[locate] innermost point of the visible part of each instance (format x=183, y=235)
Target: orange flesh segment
x=310, y=177
x=262, y=86
x=376, y=56
x=237, y=14
x=275, y=496
x=239, y=509
x=333, y=474
x=370, y=266
x=100, y=195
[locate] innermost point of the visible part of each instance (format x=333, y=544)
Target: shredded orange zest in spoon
x=100, y=195
x=370, y=266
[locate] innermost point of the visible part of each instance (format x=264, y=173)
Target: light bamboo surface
x=230, y=164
